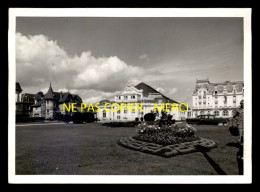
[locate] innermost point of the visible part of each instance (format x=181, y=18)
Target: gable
x=131, y=90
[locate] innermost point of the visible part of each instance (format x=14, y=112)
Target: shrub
x=149, y=117
x=141, y=118
x=88, y=117
x=77, y=118
x=58, y=116
x=122, y=124
x=136, y=119
x=66, y=118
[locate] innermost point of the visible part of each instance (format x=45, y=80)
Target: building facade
x=23, y=102
x=141, y=93
x=51, y=104
x=219, y=99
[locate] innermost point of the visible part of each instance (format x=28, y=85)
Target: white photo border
x=132, y=12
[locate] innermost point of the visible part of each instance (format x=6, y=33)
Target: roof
x=148, y=90
x=202, y=80
x=30, y=95
x=228, y=82
x=38, y=104
x=18, y=87
x=49, y=94
x=64, y=97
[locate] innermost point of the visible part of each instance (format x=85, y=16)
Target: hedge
x=79, y=118
x=28, y=119
x=122, y=124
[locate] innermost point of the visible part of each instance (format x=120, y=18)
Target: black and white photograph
x=129, y=95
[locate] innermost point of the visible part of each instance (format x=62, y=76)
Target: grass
x=92, y=149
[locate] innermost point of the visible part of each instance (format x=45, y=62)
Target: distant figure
x=237, y=129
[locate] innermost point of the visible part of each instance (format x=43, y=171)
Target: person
x=238, y=124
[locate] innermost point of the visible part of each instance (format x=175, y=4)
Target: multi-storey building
x=51, y=103
x=23, y=102
x=141, y=93
x=219, y=99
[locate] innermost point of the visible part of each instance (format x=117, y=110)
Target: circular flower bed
x=166, y=134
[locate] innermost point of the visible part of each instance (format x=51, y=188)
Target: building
x=51, y=104
x=23, y=102
x=18, y=91
x=140, y=93
x=219, y=99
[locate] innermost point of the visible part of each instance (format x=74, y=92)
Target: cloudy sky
x=96, y=57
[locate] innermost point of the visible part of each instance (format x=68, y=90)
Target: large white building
x=219, y=99
x=140, y=93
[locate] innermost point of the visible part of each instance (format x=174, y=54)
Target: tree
x=149, y=117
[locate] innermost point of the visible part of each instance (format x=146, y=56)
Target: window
x=225, y=113
x=125, y=97
x=118, y=112
x=104, y=114
x=118, y=117
x=202, y=112
x=225, y=99
x=125, y=110
x=216, y=92
x=204, y=94
x=132, y=96
x=234, y=99
x=216, y=113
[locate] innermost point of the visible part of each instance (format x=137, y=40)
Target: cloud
x=144, y=57
x=40, y=60
x=170, y=92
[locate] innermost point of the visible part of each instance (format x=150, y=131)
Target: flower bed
x=166, y=134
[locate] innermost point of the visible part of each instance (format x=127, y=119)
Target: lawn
x=92, y=149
